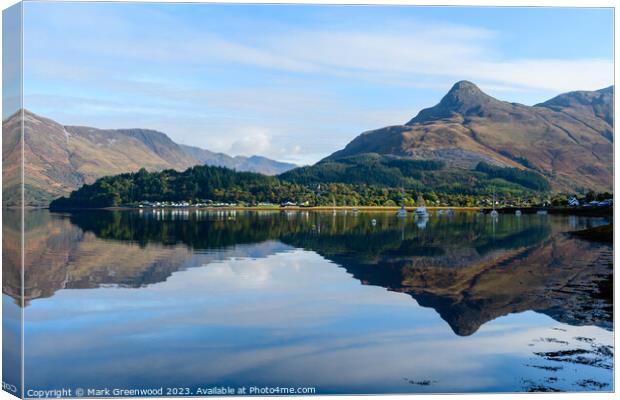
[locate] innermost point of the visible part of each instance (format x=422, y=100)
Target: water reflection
x=469, y=268
x=279, y=295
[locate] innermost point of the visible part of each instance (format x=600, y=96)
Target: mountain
x=258, y=164
x=568, y=139
x=59, y=159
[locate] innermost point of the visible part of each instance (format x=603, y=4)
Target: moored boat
x=402, y=213
x=494, y=212
x=420, y=211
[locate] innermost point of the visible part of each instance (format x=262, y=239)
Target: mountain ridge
x=253, y=163
x=61, y=158
x=568, y=139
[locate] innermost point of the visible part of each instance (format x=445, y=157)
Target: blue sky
x=295, y=82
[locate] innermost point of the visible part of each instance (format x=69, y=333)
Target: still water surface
x=197, y=299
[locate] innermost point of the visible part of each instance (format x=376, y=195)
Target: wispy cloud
x=402, y=52
x=271, y=86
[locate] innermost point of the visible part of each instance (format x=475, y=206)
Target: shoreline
x=590, y=211
x=274, y=208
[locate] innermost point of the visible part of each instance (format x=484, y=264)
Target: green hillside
x=366, y=180
x=421, y=175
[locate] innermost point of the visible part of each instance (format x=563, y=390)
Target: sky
x=295, y=82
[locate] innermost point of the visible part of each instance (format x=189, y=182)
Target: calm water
x=196, y=299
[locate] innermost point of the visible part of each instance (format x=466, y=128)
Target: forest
x=367, y=180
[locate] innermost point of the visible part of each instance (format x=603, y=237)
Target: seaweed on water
x=562, y=353
x=545, y=367
x=604, y=351
x=591, y=384
x=552, y=340
x=600, y=356
x=425, y=382
x=597, y=355
x=531, y=386
x=584, y=339
x=542, y=388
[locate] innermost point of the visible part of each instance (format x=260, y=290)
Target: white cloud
x=253, y=141
x=257, y=140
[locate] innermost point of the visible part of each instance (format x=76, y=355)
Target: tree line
x=361, y=181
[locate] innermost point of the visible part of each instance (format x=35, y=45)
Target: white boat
x=518, y=213
x=439, y=212
x=541, y=212
x=373, y=222
x=421, y=210
x=494, y=212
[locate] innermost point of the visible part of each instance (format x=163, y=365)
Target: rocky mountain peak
x=463, y=98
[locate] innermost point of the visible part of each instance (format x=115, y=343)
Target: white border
x=485, y=3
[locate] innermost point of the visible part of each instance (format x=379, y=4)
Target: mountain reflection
x=468, y=268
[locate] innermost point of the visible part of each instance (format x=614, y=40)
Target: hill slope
x=568, y=139
x=421, y=175
x=258, y=164
x=59, y=159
